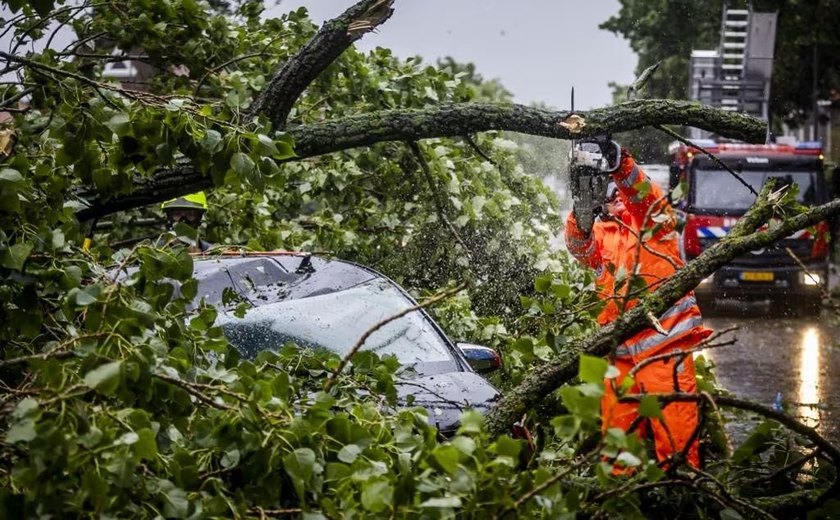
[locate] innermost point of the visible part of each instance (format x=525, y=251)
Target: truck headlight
x=811, y=279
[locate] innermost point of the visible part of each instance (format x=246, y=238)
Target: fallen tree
x=159, y=421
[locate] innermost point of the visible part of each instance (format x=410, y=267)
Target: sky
x=538, y=49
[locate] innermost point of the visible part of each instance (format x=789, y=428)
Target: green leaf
x=120, y=124
x=649, y=407
x=10, y=176
x=446, y=456
x=592, y=369
x=176, y=504
x=442, y=502
x=562, y=290
x=211, y=142
x=349, y=453
x=677, y=192
x=25, y=407
x=24, y=431
x=300, y=466
x=104, y=378
x=760, y=439
x=628, y=459
x=265, y=146
x=81, y=297
x=507, y=447
x=642, y=189
x=285, y=147
x=231, y=458
x=146, y=447
x=15, y=256
x=730, y=514
x=566, y=426
x=377, y=495
x=127, y=439
x=542, y=283
x=242, y=164
x=471, y=422
x=42, y=7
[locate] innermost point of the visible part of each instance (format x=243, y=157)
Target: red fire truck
x=712, y=199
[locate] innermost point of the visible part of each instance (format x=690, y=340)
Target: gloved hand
x=599, y=152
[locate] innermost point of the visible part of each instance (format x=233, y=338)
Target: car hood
x=446, y=396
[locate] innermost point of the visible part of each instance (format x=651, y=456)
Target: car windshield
x=337, y=321
x=719, y=189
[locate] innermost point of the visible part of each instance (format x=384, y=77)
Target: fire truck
x=791, y=274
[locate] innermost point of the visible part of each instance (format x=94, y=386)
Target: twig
x=801, y=264
x=703, y=345
x=781, y=471
x=640, y=82
x=192, y=389
x=56, y=353
x=349, y=356
x=75, y=45
x=274, y=512
x=832, y=451
x=478, y=150
x=424, y=167
x=551, y=481
x=41, y=22
x=23, y=93
x=41, y=67
x=728, y=496
x=223, y=65
x=645, y=246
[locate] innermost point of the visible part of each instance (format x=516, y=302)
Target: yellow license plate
x=757, y=276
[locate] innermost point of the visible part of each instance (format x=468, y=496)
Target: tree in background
x=667, y=31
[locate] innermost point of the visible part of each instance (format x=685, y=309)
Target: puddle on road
x=809, y=377
x=792, y=357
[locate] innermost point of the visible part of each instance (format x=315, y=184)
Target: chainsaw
x=589, y=175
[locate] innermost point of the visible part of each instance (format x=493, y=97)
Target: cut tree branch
x=283, y=90
x=743, y=237
x=446, y=120
x=458, y=119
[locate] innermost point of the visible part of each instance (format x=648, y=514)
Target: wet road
x=798, y=357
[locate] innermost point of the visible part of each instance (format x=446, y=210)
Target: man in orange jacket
x=635, y=210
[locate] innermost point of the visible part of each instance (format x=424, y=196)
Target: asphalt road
x=799, y=358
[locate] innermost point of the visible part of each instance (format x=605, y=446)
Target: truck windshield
x=720, y=190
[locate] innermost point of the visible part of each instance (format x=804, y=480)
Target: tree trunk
x=446, y=120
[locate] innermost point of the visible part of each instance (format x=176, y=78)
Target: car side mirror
x=480, y=358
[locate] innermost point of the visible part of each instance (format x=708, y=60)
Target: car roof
x=269, y=277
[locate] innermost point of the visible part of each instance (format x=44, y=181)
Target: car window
x=719, y=189
x=336, y=321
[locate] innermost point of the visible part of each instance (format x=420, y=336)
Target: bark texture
x=284, y=89
x=458, y=119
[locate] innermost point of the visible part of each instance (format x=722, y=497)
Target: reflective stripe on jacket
x=613, y=251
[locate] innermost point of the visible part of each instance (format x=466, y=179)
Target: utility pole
x=815, y=108
x=815, y=61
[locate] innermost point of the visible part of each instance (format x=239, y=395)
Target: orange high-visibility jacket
x=613, y=251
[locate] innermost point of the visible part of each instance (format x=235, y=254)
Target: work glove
x=599, y=153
